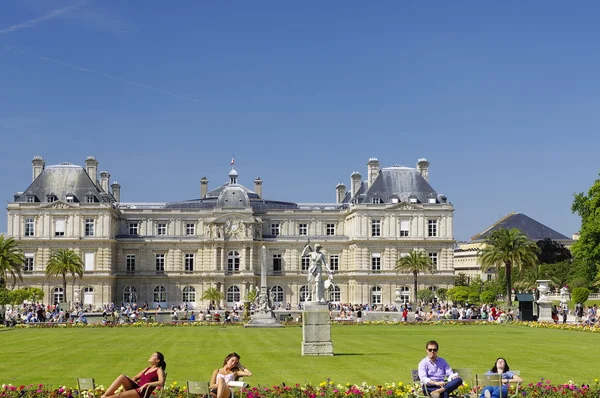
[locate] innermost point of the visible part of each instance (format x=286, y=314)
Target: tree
x=587, y=247
x=416, y=262
x=12, y=261
x=426, y=295
x=552, y=252
x=461, y=279
x=63, y=262
x=213, y=295
x=458, y=294
x=442, y=293
x=509, y=248
x=487, y=296
x=580, y=295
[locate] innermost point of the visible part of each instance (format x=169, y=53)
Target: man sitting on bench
x=433, y=371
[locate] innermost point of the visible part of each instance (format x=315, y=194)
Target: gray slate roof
x=533, y=229
x=62, y=180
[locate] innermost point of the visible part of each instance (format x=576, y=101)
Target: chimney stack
x=104, y=177
x=355, y=180
x=38, y=166
x=340, y=191
x=258, y=187
x=423, y=167
x=373, y=170
x=203, y=187
x=116, y=191
x=91, y=167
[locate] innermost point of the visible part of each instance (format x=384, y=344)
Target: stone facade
x=168, y=253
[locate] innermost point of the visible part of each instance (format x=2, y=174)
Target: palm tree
x=213, y=295
x=63, y=262
x=416, y=261
x=509, y=248
x=12, y=261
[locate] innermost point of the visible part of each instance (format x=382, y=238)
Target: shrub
x=580, y=295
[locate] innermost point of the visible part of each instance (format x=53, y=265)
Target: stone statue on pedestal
x=318, y=261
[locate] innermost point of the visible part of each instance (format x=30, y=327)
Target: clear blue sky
x=501, y=97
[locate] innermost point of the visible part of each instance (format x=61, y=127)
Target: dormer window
x=395, y=199
x=432, y=200
x=30, y=198
x=412, y=199
x=90, y=199
x=51, y=198
x=70, y=198
x=376, y=200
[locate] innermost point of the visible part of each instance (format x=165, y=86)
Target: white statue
x=318, y=261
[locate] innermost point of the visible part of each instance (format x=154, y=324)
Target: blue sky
x=501, y=97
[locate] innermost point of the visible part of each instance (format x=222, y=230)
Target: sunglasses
x=432, y=349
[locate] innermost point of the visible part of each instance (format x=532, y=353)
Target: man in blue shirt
x=433, y=372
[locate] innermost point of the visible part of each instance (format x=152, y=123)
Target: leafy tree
x=18, y=296
x=4, y=297
x=63, y=262
x=252, y=295
x=426, y=295
x=552, y=252
x=530, y=275
x=12, y=261
x=587, y=247
x=487, y=296
x=508, y=248
x=416, y=262
x=559, y=273
x=580, y=295
x=35, y=293
x=461, y=279
x=213, y=295
x=458, y=294
x=473, y=298
x=442, y=293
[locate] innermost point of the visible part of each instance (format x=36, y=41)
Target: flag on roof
x=232, y=160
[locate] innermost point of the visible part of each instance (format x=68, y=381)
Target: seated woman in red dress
x=147, y=379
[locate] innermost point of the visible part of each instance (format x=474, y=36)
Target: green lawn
x=371, y=353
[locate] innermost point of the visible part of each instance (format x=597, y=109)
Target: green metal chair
x=198, y=388
x=86, y=387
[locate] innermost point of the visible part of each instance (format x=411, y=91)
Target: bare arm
x=160, y=382
x=138, y=376
x=243, y=371
x=516, y=379
x=213, y=380
x=307, y=247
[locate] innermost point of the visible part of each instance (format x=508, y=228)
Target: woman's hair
x=161, y=360
x=495, y=368
x=229, y=356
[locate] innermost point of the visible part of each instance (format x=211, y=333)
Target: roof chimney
x=423, y=167
x=355, y=180
x=373, y=170
x=104, y=177
x=91, y=167
x=258, y=186
x=116, y=191
x=340, y=191
x=38, y=166
x=203, y=187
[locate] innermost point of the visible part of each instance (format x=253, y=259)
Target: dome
x=233, y=197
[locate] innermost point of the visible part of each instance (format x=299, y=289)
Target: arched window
x=335, y=294
x=434, y=290
x=129, y=294
x=233, y=294
x=160, y=294
x=58, y=295
x=233, y=261
x=376, y=295
x=189, y=294
x=88, y=295
x=404, y=293
x=277, y=294
x=304, y=294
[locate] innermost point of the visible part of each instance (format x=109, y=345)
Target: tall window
x=130, y=263
x=277, y=263
x=335, y=294
x=129, y=294
x=432, y=229
x=160, y=294
x=375, y=227
x=58, y=295
x=189, y=294
x=302, y=229
x=275, y=229
x=233, y=262
x=233, y=294
x=29, y=227
x=305, y=263
x=376, y=262
x=404, y=293
x=89, y=227
x=434, y=259
x=28, y=266
x=376, y=295
x=277, y=294
x=133, y=228
x=189, y=262
x=160, y=263
x=330, y=229
x=304, y=294
x=190, y=229
x=161, y=228
x=334, y=262
x=404, y=228
x=88, y=295
x=89, y=261
x=59, y=227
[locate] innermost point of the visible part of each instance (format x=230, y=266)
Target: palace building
x=170, y=253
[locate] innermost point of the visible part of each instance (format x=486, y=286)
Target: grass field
x=371, y=353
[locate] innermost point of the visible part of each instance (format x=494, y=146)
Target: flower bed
x=326, y=389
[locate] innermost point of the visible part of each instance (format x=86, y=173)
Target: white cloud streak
x=46, y=17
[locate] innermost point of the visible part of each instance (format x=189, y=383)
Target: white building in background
x=169, y=253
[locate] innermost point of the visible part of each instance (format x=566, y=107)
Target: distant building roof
x=533, y=229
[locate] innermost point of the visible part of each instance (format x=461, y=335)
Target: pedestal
x=316, y=330
x=545, y=311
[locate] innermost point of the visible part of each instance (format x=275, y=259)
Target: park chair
x=465, y=374
x=496, y=381
x=86, y=384
x=198, y=388
x=237, y=386
x=160, y=390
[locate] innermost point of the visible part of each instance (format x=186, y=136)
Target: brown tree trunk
x=508, y=297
